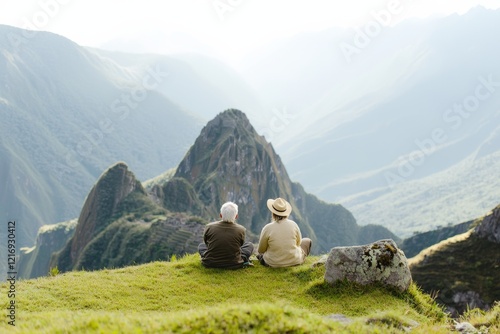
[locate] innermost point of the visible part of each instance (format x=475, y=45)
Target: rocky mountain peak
x=227, y=138
x=101, y=204
x=229, y=161
x=121, y=224
x=489, y=228
x=230, y=121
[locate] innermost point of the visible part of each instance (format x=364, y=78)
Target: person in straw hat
x=281, y=243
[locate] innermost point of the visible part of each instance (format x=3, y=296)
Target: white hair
x=229, y=210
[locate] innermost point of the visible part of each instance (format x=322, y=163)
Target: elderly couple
x=280, y=244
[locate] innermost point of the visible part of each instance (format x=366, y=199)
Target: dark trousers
x=246, y=250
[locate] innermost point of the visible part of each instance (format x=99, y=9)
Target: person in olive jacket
x=224, y=243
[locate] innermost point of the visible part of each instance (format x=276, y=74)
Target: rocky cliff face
x=126, y=242
x=229, y=161
x=120, y=224
x=34, y=261
x=464, y=269
x=100, y=206
x=489, y=228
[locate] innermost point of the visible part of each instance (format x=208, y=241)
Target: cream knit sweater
x=280, y=244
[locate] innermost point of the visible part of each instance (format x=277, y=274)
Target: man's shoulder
x=241, y=227
x=213, y=223
x=226, y=224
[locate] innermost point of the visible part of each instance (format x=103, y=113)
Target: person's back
x=223, y=240
x=224, y=243
x=281, y=243
x=282, y=239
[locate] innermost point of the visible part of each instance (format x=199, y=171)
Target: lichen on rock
x=379, y=262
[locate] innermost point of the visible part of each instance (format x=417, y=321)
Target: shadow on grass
x=323, y=290
x=308, y=274
x=421, y=302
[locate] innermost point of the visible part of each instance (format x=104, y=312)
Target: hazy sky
x=226, y=28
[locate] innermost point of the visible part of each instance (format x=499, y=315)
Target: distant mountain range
x=406, y=133
x=420, y=241
x=68, y=112
x=404, y=136
x=122, y=223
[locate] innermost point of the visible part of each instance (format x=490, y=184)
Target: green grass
x=184, y=297
x=485, y=321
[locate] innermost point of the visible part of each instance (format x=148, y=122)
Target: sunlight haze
x=221, y=28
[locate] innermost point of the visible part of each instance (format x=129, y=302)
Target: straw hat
x=279, y=206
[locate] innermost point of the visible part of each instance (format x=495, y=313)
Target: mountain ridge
x=472, y=267
x=229, y=161
x=254, y=172
x=67, y=114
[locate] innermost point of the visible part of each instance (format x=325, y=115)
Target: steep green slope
x=129, y=242
x=184, y=297
x=35, y=261
x=463, y=271
x=120, y=225
x=67, y=113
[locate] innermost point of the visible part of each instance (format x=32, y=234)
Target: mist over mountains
x=66, y=115
x=405, y=132
x=68, y=112
x=381, y=134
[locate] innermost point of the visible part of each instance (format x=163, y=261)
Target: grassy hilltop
x=183, y=297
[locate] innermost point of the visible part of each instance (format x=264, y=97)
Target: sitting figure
x=281, y=243
x=224, y=243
